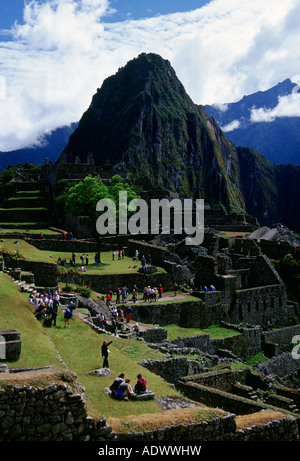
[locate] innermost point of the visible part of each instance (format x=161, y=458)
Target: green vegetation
x=288, y=268
x=215, y=331
x=79, y=347
x=26, y=230
x=23, y=250
x=81, y=199
x=107, y=266
x=17, y=313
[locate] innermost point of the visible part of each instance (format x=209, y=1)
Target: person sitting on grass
x=126, y=388
x=118, y=380
x=141, y=385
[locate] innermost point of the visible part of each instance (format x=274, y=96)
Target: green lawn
x=27, y=230
x=17, y=313
x=23, y=250
x=215, y=332
x=79, y=347
x=107, y=266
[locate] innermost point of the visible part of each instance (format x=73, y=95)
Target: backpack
x=117, y=394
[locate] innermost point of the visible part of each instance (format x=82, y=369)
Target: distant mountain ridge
x=51, y=147
x=142, y=119
x=278, y=140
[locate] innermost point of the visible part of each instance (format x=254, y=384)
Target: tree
x=84, y=196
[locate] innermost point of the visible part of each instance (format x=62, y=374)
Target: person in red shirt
x=141, y=385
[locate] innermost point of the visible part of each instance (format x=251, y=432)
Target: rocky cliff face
x=143, y=120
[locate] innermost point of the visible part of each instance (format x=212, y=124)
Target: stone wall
x=260, y=305
x=216, y=398
x=186, y=314
x=52, y=413
x=206, y=431
x=45, y=274
x=102, y=283
x=173, y=369
x=10, y=345
x=282, y=337
x=221, y=379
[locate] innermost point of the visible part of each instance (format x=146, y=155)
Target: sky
x=54, y=54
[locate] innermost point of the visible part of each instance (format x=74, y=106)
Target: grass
x=215, y=332
x=107, y=266
x=17, y=313
x=27, y=230
x=148, y=422
x=23, y=250
x=79, y=347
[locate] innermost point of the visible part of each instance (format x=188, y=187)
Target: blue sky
x=54, y=54
x=12, y=10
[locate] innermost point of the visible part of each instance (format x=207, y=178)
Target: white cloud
x=288, y=106
x=63, y=50
x=234, y=125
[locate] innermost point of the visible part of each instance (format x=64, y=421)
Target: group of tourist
x=122, y=294
x=118, y=318
x=121, y=254
x=121, y=388
x=204, y=288
x=46, y=307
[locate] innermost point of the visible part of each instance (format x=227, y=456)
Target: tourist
x=114, y=325
x=102, y=320
x=128, y=314
x=67, y=316
x=53, y=315
x=114, y=313
x=113, y=255
x=160, y=291
x=72, y=307
x=108, y=299
x=105, y=351
x=136, y=328
x=134, y=294
x=87, y=260
x=118, y=299
x=82, y=259
x=126, y=388
x=145, y=294
x=125, y=293
x=117, y=382
x=175, y=288
x=141, y=385
x=123, y=253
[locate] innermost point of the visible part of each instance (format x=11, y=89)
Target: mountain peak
x=142, y=119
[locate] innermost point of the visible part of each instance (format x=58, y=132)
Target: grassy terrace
x=79, y=347
x=27, y=230
x=107, y=266
x=23, y=250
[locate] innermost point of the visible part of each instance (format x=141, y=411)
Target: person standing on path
x=105, y=352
